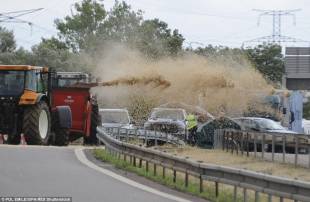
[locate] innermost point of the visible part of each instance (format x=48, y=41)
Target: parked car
x=169, y=120
x=116, y=118
x=261, y=125
x=267, y=125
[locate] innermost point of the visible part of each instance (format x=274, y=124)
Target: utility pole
x=276, y=37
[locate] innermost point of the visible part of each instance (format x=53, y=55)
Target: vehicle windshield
x=65, y=82
x=115, y=117
x=268, y=124
x=11, y=82
x=174, y=114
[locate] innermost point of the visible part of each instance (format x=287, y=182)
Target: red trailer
x=84, y=107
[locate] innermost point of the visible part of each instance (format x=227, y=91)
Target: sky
x=201, y=22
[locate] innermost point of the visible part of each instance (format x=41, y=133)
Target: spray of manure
x=156, y=81
x=218, y=85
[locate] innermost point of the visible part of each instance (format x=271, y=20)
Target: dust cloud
x=217, y=85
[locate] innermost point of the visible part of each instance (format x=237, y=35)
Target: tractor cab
x=25, y=106
x=22, y=83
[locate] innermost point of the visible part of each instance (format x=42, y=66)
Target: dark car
x=261, y=125
x=267, y=125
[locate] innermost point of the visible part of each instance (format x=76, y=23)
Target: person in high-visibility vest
x=191, y=128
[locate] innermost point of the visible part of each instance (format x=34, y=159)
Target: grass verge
x=225, y=193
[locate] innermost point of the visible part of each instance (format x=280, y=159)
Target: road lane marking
x=82, y=158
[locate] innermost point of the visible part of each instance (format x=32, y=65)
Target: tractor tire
x=95, y=121
x=37, y=124
x=61, y=135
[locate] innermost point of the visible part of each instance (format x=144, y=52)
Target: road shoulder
x=141, y=180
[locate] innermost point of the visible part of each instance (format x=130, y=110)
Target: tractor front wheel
x=37, y=124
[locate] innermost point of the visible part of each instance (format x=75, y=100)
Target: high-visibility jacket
x=191, y=121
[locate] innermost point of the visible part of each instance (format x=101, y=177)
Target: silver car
x=169, y=120
x=116, y=118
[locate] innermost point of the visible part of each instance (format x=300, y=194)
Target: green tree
x=80, y=30
x=55, y=54
x=91, y=26
x=122, y=24
x=156, y=39
x=7, y=40
x=268, y=60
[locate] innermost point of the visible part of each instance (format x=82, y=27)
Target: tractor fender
x=64, y=116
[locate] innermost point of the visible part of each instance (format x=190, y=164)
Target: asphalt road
x=27, y=171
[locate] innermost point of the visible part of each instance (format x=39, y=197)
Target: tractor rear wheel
x=95, y=121
x=37, y=124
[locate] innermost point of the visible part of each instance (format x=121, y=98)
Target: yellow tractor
x=26, y=108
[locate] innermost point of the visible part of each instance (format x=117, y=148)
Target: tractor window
x=11, y=82
x=40, y=82
x=31, y=81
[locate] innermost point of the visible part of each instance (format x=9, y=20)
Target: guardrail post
x=130, y=159
x=140, y=163
x=269, y=198
x=174, y=175
x=283, y=148
x=257, y=196
x=235, y=193
x=186, y=179
x=134, y=161
x=245, y=195
x=273, y=147
x=125, y=157
x=147, y=166
x=155, y=169
x=296, y=150
x=216, y=189
x=164, y=172
x=200, y=184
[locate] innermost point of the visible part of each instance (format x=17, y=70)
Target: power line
x=12, y=17
x=276, y=37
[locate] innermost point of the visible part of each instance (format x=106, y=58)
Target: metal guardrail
x=145, y=135
x=247, y=180
x=283, y=147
